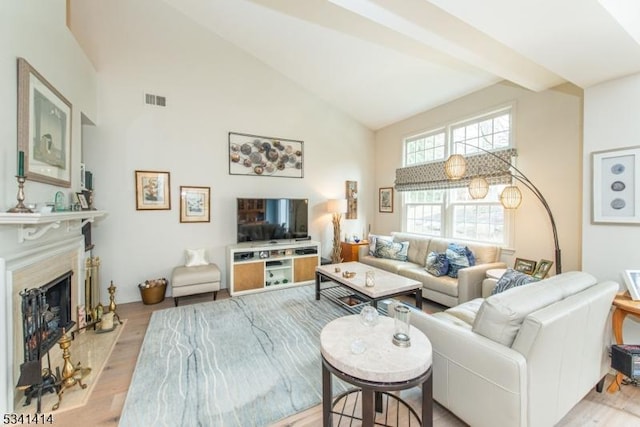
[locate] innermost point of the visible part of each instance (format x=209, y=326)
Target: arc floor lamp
x=510, y=198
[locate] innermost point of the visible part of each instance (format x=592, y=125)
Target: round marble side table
x=380, y=368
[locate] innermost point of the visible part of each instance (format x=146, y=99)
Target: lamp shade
x=337, y=205
x=511, y=197
x=478, y=188
x=455, y=166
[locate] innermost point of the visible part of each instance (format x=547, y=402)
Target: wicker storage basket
x=152, y=291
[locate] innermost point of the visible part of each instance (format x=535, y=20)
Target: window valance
x=431, y=176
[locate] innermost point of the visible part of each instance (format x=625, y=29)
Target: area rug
x=243, y=361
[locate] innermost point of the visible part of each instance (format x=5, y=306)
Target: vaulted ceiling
x=382, y=61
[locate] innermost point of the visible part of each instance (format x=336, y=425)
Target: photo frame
x=153, y=190
x=351, y=194
x=256, y=155
x=44, y=128
x=82, y=200
x=632, y=280
x=542, y=269
x=525, y=266
x=385, y=199
x=616, y=186
x=195, y=204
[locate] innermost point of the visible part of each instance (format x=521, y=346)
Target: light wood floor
x=107, y=400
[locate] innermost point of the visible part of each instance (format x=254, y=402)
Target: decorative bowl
x=349, y=274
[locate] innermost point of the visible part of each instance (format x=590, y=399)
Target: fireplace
x=46, y=316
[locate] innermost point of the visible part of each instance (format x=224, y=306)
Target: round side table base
x=393, y=411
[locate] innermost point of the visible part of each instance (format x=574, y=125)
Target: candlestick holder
x=20, y=207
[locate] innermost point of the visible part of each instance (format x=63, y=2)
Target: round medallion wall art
x=265, y=156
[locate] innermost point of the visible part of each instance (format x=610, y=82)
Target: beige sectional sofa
x=444, y=289
x=523, y=357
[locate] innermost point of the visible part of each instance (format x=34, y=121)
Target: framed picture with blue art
x=194, y=204
x=632, y=280
x=616, y=186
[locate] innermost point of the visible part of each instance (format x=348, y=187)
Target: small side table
x=350, y=250
x=496, y=273
x=382, y=367
x=624, y=305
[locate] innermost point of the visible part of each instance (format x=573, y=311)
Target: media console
x=254, y=267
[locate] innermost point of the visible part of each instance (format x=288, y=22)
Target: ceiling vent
x=160, y=101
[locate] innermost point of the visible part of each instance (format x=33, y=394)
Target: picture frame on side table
x=632, y=280
x=616, y=186
x=44, y=128
x=195, y=204
x=153, y=190
x=385, y=199
x=542, y=269
x=524, y=266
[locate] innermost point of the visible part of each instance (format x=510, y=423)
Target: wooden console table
x=624, y=305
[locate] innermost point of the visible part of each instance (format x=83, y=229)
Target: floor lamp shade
x=478, y=188
x=455, y=166
x=511, y=197
x=337, y=206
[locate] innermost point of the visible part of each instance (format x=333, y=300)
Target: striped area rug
x=243, y=361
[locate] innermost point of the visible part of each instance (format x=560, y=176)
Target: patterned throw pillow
x=437, y=264
x=391, y=250
x=459, y=257
x=512, y=279
x=372, y=243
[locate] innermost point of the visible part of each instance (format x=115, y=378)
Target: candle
x=20, y=163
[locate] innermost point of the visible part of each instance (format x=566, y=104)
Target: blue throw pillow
x=391, y=250
x=437, y=264
x=512, y=279
x=457, y=261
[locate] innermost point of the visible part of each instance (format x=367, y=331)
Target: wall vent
x=160, y=101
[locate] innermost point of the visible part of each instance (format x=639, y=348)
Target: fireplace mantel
x=32, y=226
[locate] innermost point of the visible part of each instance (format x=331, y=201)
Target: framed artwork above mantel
x=44, y=128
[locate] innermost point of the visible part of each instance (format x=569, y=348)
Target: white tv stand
x=261, y=266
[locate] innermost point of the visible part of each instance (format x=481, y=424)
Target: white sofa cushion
x=500, y=316
x=467, y=311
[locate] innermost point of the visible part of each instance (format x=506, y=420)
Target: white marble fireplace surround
x=28, y=263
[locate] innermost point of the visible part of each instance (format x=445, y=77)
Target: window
x=452, y=213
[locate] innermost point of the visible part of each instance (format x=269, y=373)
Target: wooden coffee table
x=387, y=285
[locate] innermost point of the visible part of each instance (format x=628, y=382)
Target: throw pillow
x=437, y=264
x=372, y=242
x=391, y=250
x=512, y=279
x=195, y=257
x=457, y=256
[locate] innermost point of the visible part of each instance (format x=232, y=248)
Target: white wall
x=548, y=132
x=36, y=31
x=610, y=122
x=212, y=88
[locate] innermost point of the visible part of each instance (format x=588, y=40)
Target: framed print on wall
x=194, y=204
x=152, y=190
x=385, y=199
x=44, y=128
x=616, y=186
x=265, y=156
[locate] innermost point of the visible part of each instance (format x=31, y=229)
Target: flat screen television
x=272, y=219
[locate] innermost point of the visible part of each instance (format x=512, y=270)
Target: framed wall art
x=44, y=128
x=524, y=266
x=616, y=186
x=265, y=156
x=632, y=280
x=351, y=193
x=152, y=190
x=82, y=200
x=542, y=269
x=385, y=199
x=194, y=204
